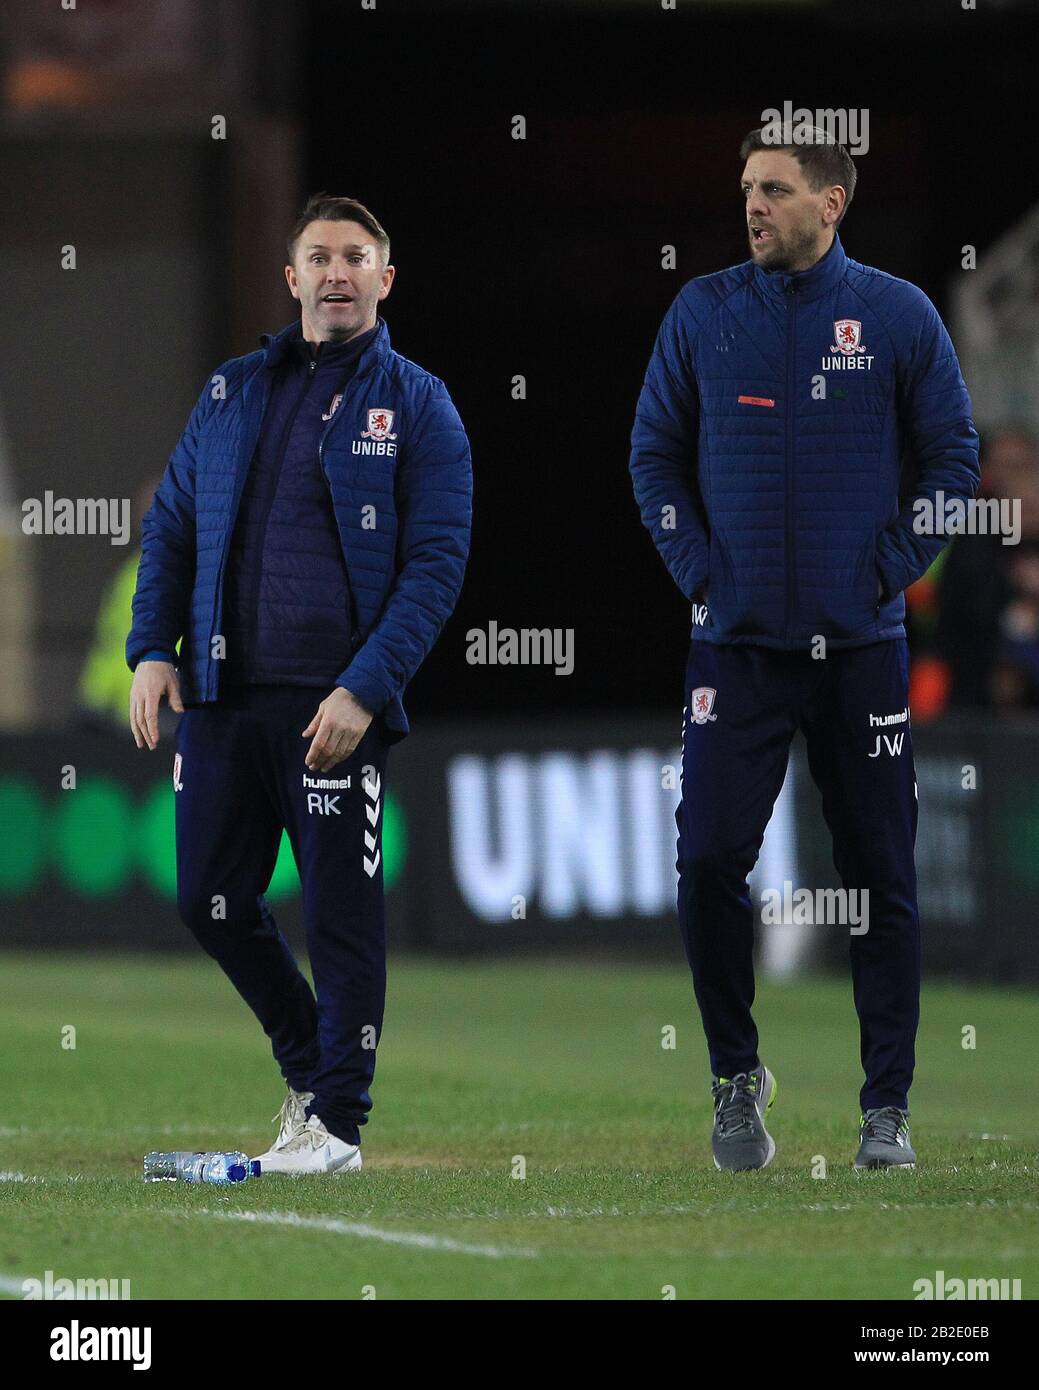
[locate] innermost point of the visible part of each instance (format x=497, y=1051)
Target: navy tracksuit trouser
x=744, y=704
x=240, y=778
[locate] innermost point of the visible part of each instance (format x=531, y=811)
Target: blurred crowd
x=973, y=618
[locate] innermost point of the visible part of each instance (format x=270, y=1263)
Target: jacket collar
x=809, y=284
x=276, y=347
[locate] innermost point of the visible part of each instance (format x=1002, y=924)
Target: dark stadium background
x=542, y=256
x=537, y=257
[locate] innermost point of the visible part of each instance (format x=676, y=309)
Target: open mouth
x=336, y=299
x=759, y=235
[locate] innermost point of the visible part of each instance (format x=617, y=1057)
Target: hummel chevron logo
x=372, y=790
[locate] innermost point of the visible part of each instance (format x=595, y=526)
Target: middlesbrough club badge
x=701, y=702
x=847, y=335
x=380, y=422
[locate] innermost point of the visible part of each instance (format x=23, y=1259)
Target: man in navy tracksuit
x=305, y=547
x=800, y=419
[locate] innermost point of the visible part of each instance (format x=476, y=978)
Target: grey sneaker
x=740, y=1139
x=884, y=1140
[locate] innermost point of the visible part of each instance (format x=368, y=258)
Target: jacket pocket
x=720, y=579
x=838, y=598
x=867, y=578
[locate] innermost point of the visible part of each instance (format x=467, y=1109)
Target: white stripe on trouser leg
x=373, y=791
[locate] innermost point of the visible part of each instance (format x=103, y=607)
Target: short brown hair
x=824, y=161
x=323, y=207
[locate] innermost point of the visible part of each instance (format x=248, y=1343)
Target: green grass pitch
x=487, y=1070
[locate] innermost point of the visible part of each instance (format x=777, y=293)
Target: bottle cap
x=254, y=1167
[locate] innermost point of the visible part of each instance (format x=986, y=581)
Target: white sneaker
x=290, y=1120
x=312, y=1150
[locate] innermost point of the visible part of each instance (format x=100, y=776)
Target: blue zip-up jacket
x=786, y=427
x=398, y=467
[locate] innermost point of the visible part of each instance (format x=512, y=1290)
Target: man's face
x=789, y=226
x=338, y=278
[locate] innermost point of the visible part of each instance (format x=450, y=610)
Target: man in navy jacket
x=802, y=425
x=304, y=548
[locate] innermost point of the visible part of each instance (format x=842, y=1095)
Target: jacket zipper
x=355, y=635
x=279, y=455
x=790, y=363
x=355, y=624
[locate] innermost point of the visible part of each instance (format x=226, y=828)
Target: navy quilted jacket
x=785, y=427
x=397, y=463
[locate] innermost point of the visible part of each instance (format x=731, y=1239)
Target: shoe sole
x=353, y=1165
x=879, y=1167
x=771, y=1142
x=329, y=1173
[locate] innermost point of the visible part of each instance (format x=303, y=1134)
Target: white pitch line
x=363, y=1231
x=38, y=1177
x=10, y=1283
x=10, y=1132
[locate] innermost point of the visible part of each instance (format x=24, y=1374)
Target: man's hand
x=151, y=681
x=338, y=727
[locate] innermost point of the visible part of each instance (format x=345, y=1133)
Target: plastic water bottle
x=251, y=1165
x=211, y=1167
x=195, y=1167
x=168, y=1167
x=225, y=1168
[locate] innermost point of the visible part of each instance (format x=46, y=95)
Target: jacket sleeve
x=663, y=456
x=940, y=438
x=166, y=572
x=434, y=510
